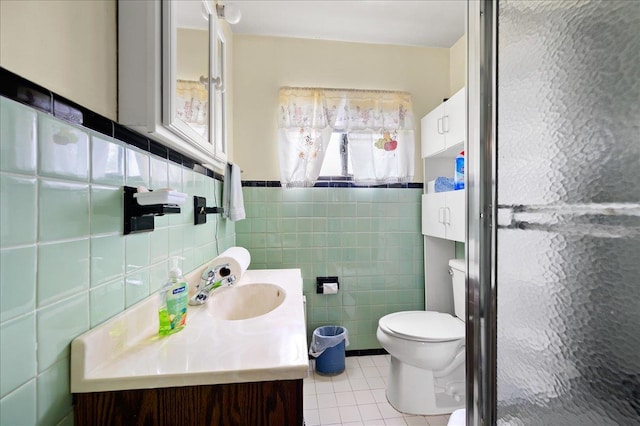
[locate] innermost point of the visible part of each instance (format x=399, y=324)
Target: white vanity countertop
x=126, y=352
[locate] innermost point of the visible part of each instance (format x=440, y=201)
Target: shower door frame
x=481, y=334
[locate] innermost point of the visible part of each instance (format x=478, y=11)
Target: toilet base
x=415, y=390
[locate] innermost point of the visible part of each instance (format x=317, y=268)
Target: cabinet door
x=219, y=105
x=168, y=69
x=432, y=132
x=455, y=216
x=454, y=121
x=433, y=214
x=187, y=44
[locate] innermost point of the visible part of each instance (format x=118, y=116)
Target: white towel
x=232, y=200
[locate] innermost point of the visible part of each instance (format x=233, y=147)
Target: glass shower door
x=553, y=330
x=567, y=205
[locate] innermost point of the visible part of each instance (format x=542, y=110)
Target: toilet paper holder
x=321, y=281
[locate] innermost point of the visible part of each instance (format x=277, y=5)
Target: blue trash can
x=327, y=345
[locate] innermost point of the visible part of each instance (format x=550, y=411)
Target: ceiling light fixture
x=229, y=12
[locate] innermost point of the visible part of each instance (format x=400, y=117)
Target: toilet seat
x=423, y=326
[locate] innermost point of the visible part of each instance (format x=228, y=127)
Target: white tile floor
x=356, y=397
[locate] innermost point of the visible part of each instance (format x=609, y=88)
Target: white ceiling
x=436, y=23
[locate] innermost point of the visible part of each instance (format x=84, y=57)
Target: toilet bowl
x=427, y=355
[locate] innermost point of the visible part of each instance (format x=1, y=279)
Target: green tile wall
x=64, y=264
x=369, y=237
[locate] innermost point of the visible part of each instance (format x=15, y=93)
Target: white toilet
x=427, y=355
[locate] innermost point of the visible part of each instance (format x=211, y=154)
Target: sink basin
x=245, y=301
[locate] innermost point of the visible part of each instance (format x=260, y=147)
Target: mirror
x=192, y=86
x=190, y=34
x=220, y=95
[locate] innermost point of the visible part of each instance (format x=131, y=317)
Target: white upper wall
x=68, y=47
x=74, y=54
x=263, y=64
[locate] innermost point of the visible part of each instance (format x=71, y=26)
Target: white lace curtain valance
x=379, y=125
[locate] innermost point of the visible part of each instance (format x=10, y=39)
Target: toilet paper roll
x=238, y=259
x=330, y=288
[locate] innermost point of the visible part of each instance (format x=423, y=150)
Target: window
x=337, y=162
x=313, y=124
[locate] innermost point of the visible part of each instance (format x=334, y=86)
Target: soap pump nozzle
x=175, y=271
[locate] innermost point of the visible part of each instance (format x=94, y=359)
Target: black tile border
x=21, y=90
x=362, y=352
x=331, y=184
x=132, y=138
x=158, y=149
x=365, y=352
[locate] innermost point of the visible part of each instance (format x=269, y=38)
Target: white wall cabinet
x=171, y=71
x=443, y=215
x=444, y=127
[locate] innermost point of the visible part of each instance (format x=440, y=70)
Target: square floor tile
x=308, y=388
x=329, y=416
x=345, y=399
x=398, y=421
x=324, y=387
x=359, y=384
x=365, y=361
x=370, y=371
x=416, y=421
x=375, y=382
x=326, y=400
x=310, y=402
x=437, y=420
x=381, y=360
x=355, y=374
x=363, y=397
x=311, y=417
x=387, y=411
x=383, y=370
x=369, y=412
x=349, y=414
x=379, y=395
x=341, y=386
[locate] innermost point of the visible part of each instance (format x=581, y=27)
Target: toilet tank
x=457, y=269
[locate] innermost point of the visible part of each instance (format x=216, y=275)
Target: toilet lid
x=424, y=325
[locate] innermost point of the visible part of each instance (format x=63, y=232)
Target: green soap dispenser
x=174, y=298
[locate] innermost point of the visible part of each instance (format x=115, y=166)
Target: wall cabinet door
x=171, y=72
x=454, y=119
x=443, y=215
x=432, y=133
x=433, y=214
x=444, y=127
x=455, y=223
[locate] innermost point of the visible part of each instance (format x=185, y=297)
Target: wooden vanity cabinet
x=276, y=403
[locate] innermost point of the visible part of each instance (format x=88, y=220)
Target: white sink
x=245, y=301
x=125, y=352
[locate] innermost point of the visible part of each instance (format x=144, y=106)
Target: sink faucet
x=212, y=278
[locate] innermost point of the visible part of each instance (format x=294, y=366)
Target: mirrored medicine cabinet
x=172, y=69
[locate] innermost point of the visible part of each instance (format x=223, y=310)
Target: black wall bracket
x=139, y=218
x=200, y=210
x=320, y=281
